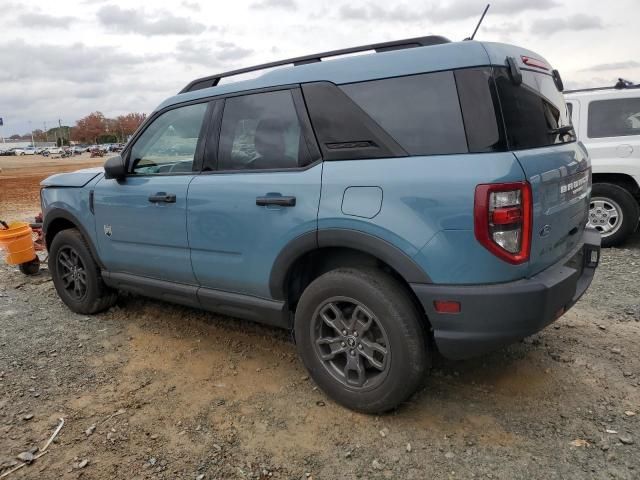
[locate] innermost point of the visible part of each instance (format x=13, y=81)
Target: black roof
x=213, y=80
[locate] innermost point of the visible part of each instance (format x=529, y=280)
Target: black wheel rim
x=351, y=343
x=72, y=273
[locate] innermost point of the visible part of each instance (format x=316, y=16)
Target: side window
x=261, y=131
x=421, y=112
x=168, y=145
x=570, y=110
x=614, y=118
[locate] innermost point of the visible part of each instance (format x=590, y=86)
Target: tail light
x=502, y=220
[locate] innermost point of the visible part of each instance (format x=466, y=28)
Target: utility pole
x=33, y=144
x=60, y=133
x=46, y=134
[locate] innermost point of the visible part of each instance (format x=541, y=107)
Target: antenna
x=479, y=22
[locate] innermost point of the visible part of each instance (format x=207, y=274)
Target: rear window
x=420, y=112
x=614, y=118
x=532, y=111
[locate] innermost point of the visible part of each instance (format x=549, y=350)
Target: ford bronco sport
x=428, y=195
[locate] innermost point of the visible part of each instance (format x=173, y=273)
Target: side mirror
x=114, y=168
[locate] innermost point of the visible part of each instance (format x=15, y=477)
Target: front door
x=259, y=190
x=141, y=220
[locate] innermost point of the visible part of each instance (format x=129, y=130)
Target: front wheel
x=361, y=338
x=613, y=212
x=76, y=275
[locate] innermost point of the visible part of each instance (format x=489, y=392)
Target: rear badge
x=107, y=230
x=545, y=231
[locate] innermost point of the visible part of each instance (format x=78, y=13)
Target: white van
x=607, y=121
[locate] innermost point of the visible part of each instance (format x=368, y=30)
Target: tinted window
x=532, y=111
x=168, y=145
x=261, y=131
x=614, y=118
x=479, y=104
x=421, y=112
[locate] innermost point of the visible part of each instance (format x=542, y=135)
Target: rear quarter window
x=421, y=112
x=614, y=118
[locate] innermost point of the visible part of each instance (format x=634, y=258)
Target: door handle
x=276, y=200
x=163, y=197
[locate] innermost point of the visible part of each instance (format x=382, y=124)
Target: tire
x=30, y=268
x=82, y=289
x=395, y=323
x=607, y=200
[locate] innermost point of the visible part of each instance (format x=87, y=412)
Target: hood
x=79, y=178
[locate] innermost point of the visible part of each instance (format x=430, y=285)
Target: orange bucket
x=17, y=241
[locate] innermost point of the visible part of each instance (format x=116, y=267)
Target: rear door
x=556, y=166
x=259, y=190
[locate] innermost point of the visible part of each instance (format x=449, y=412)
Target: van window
x=421, y=112
x=532, y=111
x=614, y=118
x=261, y=131
x=168, y=145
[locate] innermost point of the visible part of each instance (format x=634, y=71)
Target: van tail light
x=502, y=220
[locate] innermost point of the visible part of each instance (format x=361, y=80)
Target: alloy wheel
x=72, y=272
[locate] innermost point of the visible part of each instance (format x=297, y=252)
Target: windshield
x=534, y=112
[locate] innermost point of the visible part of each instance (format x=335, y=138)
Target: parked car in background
x=427, y=195
x=25, y=151
x=607, y=121
x=54, y=150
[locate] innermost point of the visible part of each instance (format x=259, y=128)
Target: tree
x=89, y=128
x=125, y=125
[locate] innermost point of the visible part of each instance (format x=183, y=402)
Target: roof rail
x=213, y=80
x=621, y=84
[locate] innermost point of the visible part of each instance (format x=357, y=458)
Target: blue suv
x=428, y=196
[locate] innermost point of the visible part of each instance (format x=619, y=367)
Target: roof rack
x=621, y=84
x=213, y=80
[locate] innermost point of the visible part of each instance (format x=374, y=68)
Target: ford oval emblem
x=545, y=231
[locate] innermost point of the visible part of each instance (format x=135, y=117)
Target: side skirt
x=261, y=310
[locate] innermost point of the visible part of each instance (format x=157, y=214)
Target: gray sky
x=67, y=58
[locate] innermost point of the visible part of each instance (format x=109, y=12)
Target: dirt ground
x=152, y=390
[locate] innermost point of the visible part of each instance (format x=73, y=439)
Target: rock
x=626, y=439
x=152, y=461
x=347, y=455
x=28, y=416
x=200, y=477
x=376, y=465
x=630, y=413
x=26, y=457
x=408, y=448
x=602, y=327
x=89, y=431
x=627, y=374
x=608, y=430
x=449, y=455
x=80, y=464
x=384, y=432
x=616, y=350
x=320, y=403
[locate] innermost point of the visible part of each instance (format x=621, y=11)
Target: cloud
x=202, y=53
x=577, y=22
x=75, y=62
x=124, y=20
x=43, y=20
x=437, y=12
x=271, y=4
x=603, y=67
x=195, y=6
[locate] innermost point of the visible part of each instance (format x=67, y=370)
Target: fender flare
x=340, y=237
x=57, y=213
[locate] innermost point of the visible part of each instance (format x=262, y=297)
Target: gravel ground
x=152, y=390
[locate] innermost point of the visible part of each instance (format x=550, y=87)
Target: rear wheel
x=613, y=212
x=76, y=275
x=361, y=338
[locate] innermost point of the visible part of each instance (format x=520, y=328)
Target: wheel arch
x=57, y=220
x=314, y=253
x=623, y=180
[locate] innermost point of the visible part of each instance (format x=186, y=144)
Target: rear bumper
x=492, y=316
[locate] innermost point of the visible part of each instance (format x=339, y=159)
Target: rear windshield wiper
x=567, y=129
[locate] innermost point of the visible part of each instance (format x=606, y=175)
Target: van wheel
x=76, y=275
x=613, y=212
x=361, y=338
